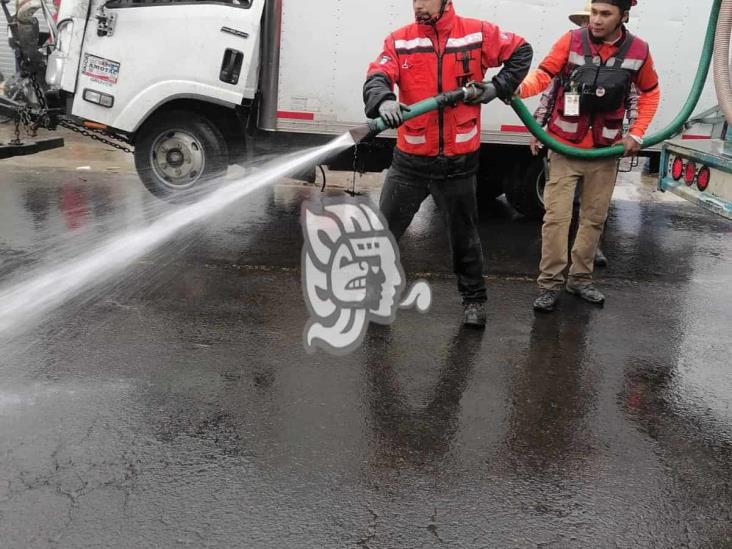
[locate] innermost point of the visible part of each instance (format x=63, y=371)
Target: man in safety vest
x=437, y=153
x=546, y=105
x=598, y=67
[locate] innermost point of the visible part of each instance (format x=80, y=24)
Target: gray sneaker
x=474, y=316
x=547, y=301
x=588, y=292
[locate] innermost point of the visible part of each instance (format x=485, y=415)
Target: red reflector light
x=702, y=180
x=690, y=173
x=677, y=169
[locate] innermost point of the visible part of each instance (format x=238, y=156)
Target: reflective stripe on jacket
x=425, y=60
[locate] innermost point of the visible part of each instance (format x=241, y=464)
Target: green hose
x=377, y=125
x=423, y=107
x=673, y=127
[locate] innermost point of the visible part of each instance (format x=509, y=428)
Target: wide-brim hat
x=578, y=16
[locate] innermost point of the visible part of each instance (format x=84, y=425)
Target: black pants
x=402, y=197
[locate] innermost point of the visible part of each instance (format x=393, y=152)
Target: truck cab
x=174, y=78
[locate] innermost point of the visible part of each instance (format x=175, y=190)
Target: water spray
x=33, y=295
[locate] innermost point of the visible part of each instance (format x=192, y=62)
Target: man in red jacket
x=437, y=153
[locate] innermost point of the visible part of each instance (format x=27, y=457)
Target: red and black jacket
x=426, y=60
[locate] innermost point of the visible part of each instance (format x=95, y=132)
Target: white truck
x=197, y=85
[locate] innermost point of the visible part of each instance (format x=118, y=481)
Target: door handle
x=231, y=66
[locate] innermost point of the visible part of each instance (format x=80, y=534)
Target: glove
x=391, y=111
x=480, y=92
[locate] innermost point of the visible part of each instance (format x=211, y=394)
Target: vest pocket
x=607, y=130
x=467, y=130
x=415, y=74
x=413, y=135
x=571, y=128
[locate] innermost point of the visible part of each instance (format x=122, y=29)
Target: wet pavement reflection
x=176, y=405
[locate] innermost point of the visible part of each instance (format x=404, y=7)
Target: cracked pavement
x=176, y=406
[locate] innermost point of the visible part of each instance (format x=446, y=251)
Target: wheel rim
x=178, y=160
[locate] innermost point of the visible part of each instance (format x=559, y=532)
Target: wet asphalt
x=176, y=406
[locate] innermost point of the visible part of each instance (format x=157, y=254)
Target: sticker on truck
x=103, y=71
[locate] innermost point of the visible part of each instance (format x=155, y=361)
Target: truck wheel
x=177, y=152
x=525, y=189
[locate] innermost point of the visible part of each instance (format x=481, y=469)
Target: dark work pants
x=401, y=198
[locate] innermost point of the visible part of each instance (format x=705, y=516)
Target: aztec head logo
x=352, y=274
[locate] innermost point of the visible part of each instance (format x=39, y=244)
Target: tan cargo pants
x=597, y=190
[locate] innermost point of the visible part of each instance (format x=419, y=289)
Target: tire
x=525, y=188
x=195, y=152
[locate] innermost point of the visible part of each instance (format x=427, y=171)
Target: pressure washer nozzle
x=364, y=131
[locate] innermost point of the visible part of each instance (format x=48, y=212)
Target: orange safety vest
x=607, y=127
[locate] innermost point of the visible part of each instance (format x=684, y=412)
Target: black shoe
x=547, y=301
x=588, y=292
x=474, y=315
x=600, y=259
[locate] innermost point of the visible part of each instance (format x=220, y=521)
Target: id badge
x=571, y=104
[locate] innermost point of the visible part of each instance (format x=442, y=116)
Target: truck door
x=138, y=54
x=63, y=63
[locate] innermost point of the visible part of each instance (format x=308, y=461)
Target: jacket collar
x=444, y=24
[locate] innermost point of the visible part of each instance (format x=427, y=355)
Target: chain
x=40, y=94
x=42, y=119
x=24, y=115
x=24, y=118
x=95, y=135
x=17, y=130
